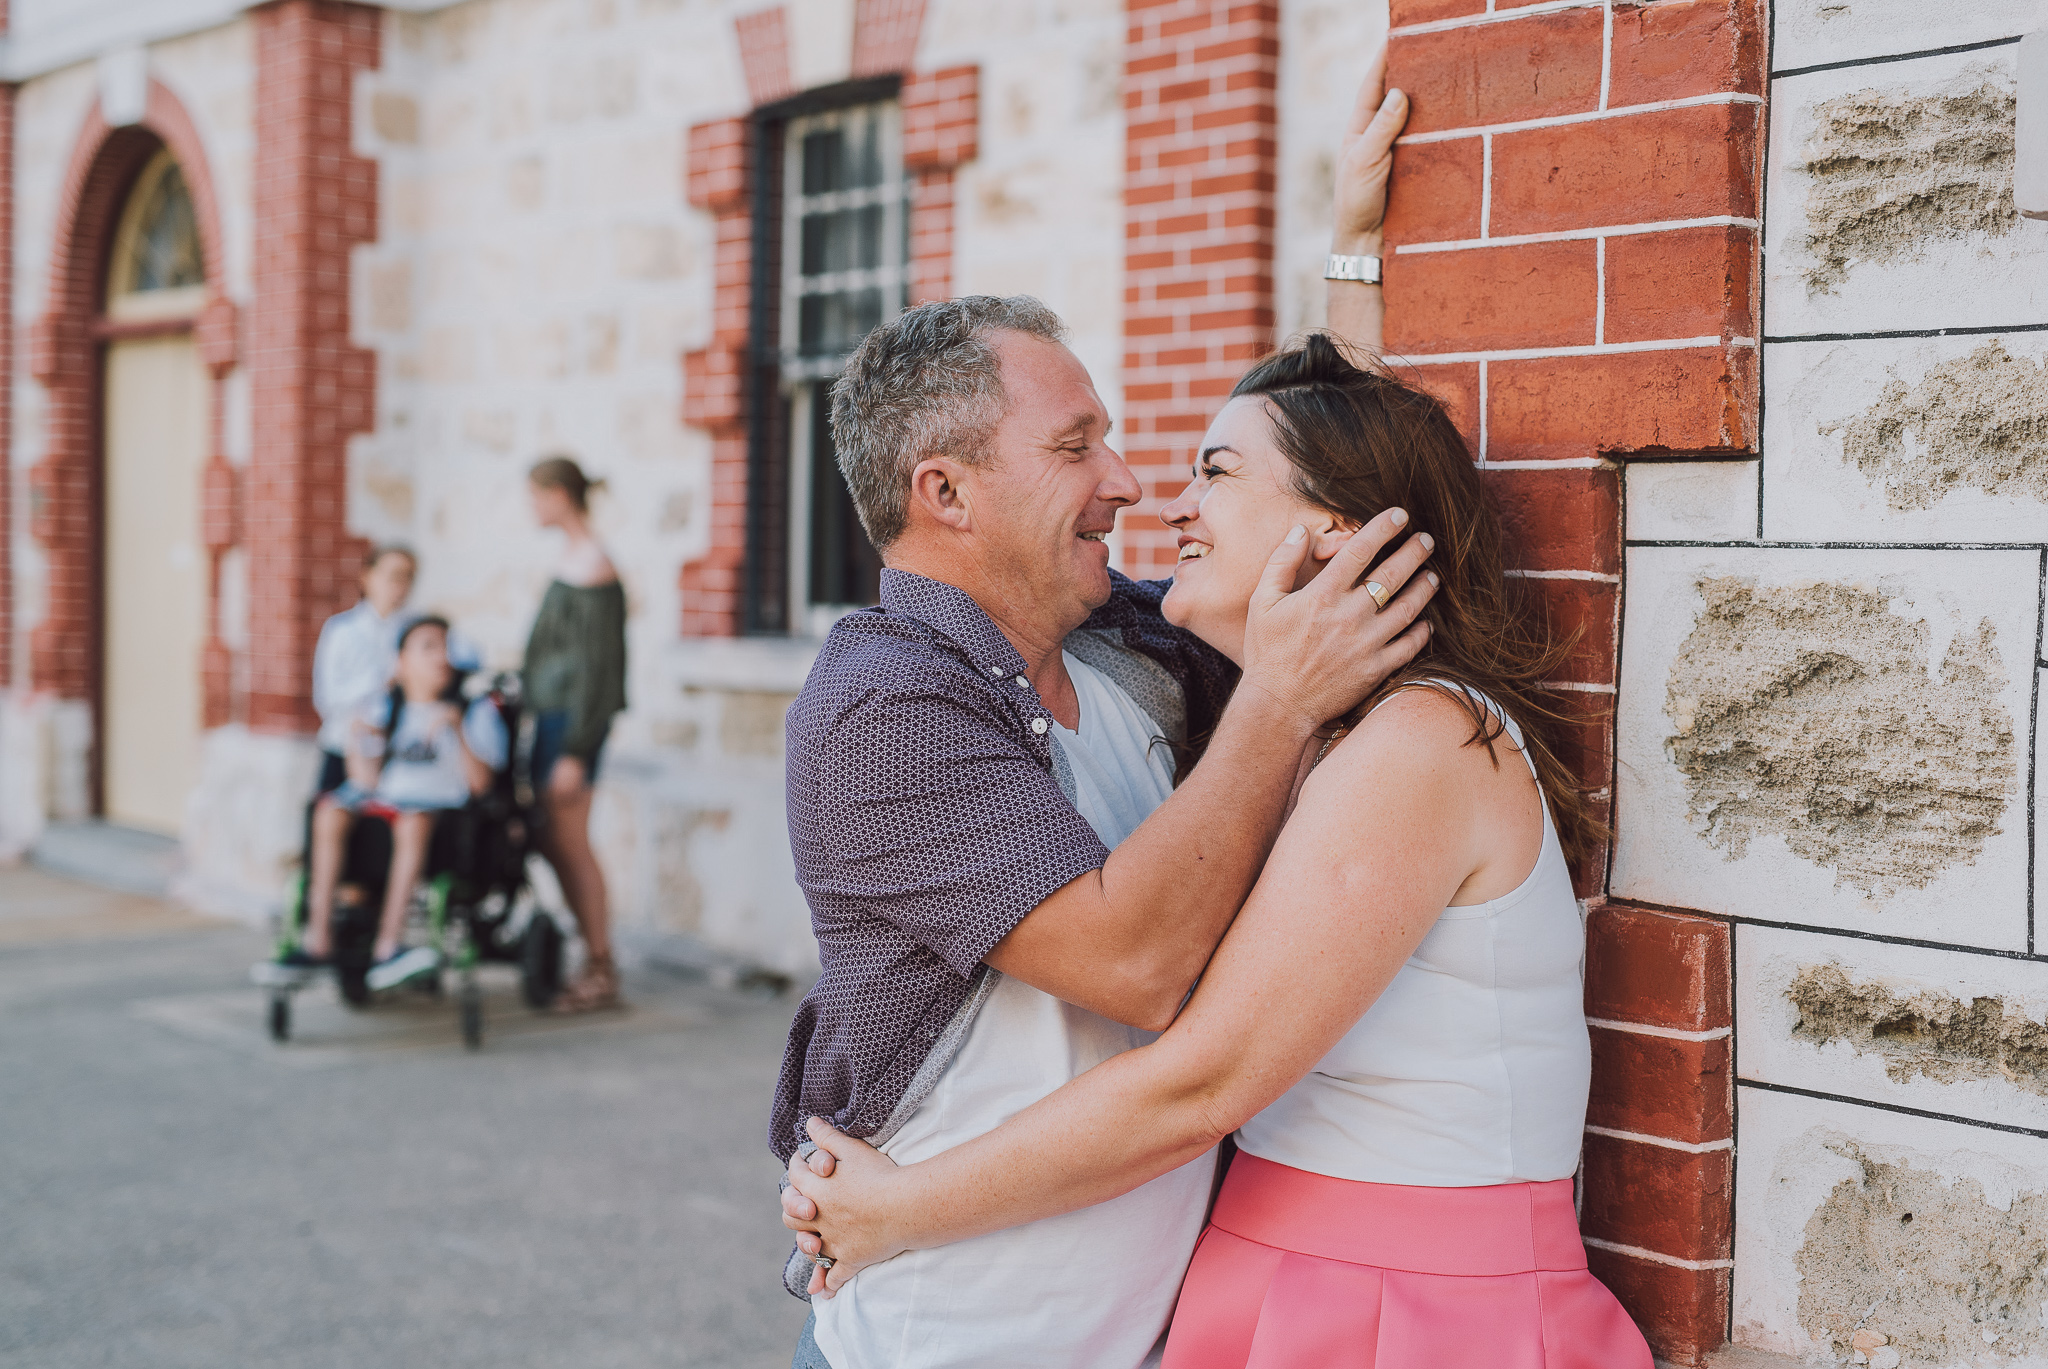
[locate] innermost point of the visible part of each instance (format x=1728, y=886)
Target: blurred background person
x=575, y=681
x=356, y=653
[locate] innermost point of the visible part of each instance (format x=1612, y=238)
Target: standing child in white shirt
x=357, y=649
x=412, y=754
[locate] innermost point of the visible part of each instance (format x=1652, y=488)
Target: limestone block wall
x=1827, y=725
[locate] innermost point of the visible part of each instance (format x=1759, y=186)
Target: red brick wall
x=310, y=389
x=6, y=376
x=941, y=118
x=1201, y=142
x=720, y=181
x=941, y=132
x=764, y=54
x=64, y=356
x=1571, y=262
x=1657, y=1186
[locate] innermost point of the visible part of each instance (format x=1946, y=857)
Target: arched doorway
x=154, y=568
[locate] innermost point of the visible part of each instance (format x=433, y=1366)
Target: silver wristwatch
x=1365, y=270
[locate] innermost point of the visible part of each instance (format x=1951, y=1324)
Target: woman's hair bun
x=562, y=473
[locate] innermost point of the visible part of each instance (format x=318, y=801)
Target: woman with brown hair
x=575, y=680
x=1394, y=1027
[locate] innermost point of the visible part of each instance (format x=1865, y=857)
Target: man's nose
x=1119, y=486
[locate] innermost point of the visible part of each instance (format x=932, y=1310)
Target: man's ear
x=938, y=491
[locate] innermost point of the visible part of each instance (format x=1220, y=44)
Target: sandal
x=595, y=988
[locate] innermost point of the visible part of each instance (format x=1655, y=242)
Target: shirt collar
x=952, y=611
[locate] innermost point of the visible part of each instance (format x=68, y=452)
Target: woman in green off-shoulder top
x=575, y=680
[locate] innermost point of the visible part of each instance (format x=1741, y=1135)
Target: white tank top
x=1472, y=1068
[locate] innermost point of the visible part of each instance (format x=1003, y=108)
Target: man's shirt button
x=1022, y=682
x=1038, y=726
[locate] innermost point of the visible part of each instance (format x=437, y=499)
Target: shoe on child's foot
x=595, y=988
x=291, y=970
x=407, y=962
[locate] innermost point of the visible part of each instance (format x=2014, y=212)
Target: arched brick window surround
x=66, y=354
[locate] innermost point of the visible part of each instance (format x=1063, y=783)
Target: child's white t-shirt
x=423, y=767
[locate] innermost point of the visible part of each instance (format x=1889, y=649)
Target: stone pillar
x=310, y=388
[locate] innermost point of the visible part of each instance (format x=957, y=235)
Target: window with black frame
x=845, y=249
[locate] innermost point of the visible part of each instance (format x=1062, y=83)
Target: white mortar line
x=1485, y=186
x=1568, y=463
x=1590, y=116
x=1670, y=1033
x=1600, y=288
x=1573, y=687
x=1537, y=353
x=1689, y=1147
x=1577, y=234
x=1606, y=50
x=1563, y=574
x=1642, y=1254
x=1474, y=20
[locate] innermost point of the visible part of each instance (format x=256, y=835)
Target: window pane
x=165, y=254
x=845, y=568
x=847, y=240
x=831, y=325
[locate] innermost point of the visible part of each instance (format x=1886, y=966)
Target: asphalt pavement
x=177, y=1190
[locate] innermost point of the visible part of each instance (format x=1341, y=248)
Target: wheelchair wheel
x=280, y=1017
x=540, y=962
x=472, y=1001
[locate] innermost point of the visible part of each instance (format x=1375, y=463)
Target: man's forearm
x=1129, y=941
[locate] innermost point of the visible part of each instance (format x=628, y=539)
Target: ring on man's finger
x=1381, y=595
x=823, y=1261
x=805, y=1150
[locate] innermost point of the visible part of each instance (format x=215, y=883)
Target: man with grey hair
x=1012, y=870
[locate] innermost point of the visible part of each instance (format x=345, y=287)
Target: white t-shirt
x=424, y=766
x=1092, y=1289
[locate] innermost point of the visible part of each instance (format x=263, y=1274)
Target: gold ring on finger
x=1381, y=595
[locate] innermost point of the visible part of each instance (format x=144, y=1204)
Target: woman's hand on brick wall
x=1366, y=160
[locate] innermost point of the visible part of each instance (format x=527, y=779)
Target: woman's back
x=1473, y=1065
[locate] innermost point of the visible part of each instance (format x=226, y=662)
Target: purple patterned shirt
x=928, y=813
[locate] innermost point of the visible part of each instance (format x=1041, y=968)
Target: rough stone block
x=1809, y=33
x=1941, y=1031
x=1891, y=200
x=1854, y=1221
x=1910, y=440
x=1830, y=737
x=1691, y=501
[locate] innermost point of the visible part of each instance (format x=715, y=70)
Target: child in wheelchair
x=412, y=755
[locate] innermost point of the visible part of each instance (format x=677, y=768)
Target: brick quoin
x=941, y=132
x=310, y=389
x=1201, y=139
x=1615, y=332
x=720, y=180
x=64, y=356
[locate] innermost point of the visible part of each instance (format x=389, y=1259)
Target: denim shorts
x=550, y=728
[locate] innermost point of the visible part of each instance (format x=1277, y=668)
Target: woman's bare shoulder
x=587, y=567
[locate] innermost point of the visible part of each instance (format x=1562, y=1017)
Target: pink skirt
x=1299, y=1269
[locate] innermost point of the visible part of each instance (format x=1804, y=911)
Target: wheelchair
x=473, y=904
